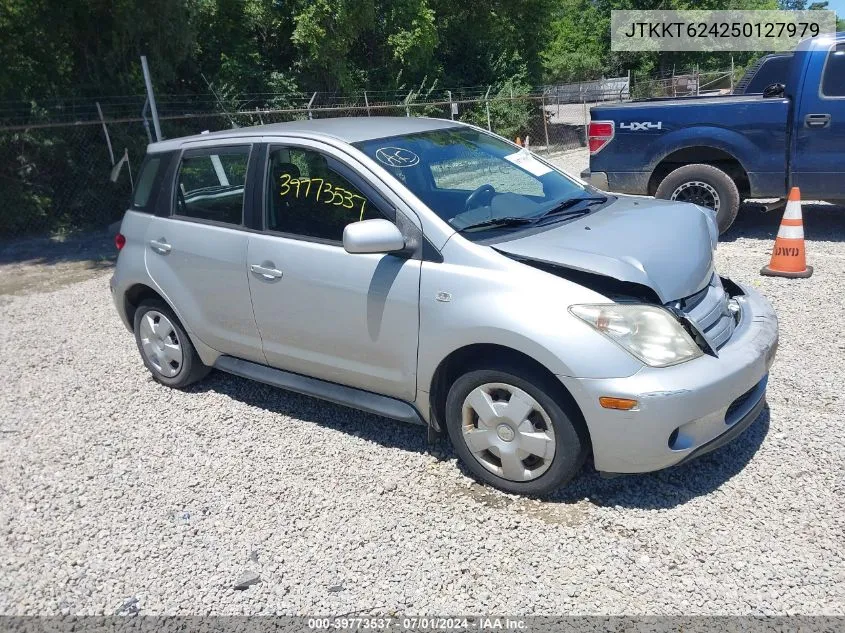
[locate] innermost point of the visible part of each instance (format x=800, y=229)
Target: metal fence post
x=586, y=118
x=105, y=131
x=545, y=122
x=310, y=116
x=732, y=74
x=487, y=107
x=367, y=103
x=451, y=110
x=151, y=97
x=407, y=101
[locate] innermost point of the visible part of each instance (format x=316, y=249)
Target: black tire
x=571, y=438
x=191, y=368
x=722, y=184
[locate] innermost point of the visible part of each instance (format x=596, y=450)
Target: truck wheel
x=706, y=186
x=512, y=432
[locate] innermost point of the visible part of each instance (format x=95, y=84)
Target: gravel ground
x=118, y=495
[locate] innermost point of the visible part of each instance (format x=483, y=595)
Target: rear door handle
x=266, y=271
x=160, y=246
x=817, y=120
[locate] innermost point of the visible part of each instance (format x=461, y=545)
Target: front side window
x=833, y=82
x=210, y=185
x=471, y=179
x=309, y=197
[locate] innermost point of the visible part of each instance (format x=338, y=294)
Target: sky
x=838, y=6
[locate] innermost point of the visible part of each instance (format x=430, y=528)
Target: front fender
x=506, y=303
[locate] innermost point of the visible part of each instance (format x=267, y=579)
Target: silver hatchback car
x=428, y=271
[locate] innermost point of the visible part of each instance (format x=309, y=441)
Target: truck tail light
x=599, y=134
x=119, y=241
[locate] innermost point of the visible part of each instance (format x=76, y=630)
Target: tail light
x=599, y=134
x=119, y=241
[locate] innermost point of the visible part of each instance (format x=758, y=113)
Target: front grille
x=708, y=310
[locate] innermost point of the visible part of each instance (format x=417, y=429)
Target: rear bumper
x=686, y=410
x=597, y=179
x=633, y=182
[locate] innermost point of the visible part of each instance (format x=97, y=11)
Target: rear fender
x=728, y=141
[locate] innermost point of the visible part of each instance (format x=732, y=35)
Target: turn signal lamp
x=622, y=404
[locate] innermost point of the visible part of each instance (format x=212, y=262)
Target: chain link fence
x=55, y=162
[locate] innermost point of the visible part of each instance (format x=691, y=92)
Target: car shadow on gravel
x=374, y=428
x=87, y=246
x=673, y=486
x=42, y=264
x=660, y=490
x=822, y=222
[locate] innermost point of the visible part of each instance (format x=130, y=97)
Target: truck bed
x=651, y=133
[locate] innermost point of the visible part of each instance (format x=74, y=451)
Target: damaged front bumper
x=685, y=410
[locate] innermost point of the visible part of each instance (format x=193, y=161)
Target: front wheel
x=511, y=429
x=706, y=186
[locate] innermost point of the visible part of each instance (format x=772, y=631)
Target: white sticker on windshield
x=526, y=161
x=397, y=157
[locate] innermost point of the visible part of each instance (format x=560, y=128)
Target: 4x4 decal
x=636, y=126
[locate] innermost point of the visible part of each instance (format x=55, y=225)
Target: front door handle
x=817, y=120
x=266, y=270
x=160, y=246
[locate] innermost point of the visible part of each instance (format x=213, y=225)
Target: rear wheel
x=165, y=347
x=511, y=429
x=706, y=186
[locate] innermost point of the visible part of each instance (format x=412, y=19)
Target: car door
x=347, y=318
x=819, y=162
x=197, y=255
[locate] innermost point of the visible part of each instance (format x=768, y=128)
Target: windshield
x=475, y=181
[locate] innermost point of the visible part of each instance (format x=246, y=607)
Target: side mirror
x=773, y=90
x=372, y=236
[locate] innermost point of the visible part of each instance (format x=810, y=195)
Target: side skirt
x=316, y=388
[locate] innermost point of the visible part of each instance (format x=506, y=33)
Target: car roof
x=347, y=129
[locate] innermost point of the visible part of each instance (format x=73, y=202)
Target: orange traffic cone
x=518, y=141
x=788, y=257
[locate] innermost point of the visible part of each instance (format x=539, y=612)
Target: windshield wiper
x=565, y=207
x=496, y=222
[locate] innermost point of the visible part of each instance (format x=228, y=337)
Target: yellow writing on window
x=324, y=192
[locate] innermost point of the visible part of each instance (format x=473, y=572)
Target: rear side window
x=144, y=188
x=833, y=81
x=210, y=184
x=774, y=70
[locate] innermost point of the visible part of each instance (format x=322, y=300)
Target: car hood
x=667, y=246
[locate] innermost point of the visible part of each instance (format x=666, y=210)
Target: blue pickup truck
x=718, y=151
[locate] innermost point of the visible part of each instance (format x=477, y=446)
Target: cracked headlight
x=650, y=333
